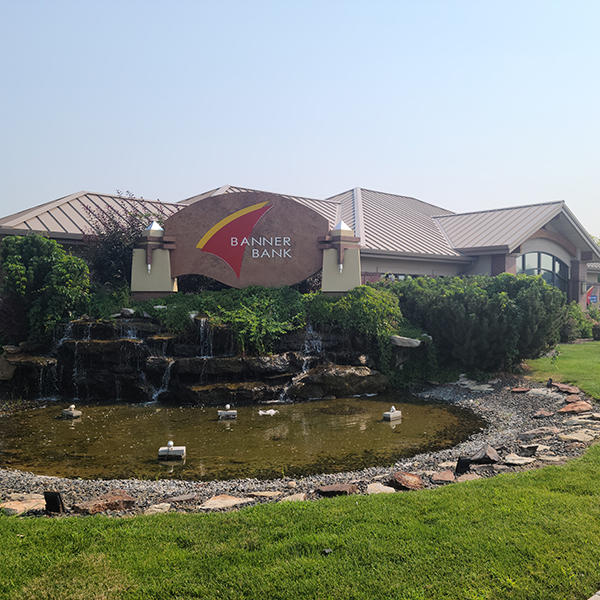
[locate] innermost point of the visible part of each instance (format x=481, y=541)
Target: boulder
x=486, y=455
x=338, y=489
x=379, y=488
x=115, y=500
x=446, y=476
x=157, y=509
x=405, y=481
x=19, y=504
x=7, y=370
x=404, y=342
x=516, y=460
x=528, y=450
x=576, y=407
x=294, y=498
x=567, y=389
x=337, y=380
x=224, y=501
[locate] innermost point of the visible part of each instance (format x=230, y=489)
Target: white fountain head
x=393, y=409
x=227, y=406
x=170, y=444
x=72, y=407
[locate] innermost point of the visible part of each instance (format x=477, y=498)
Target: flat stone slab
x=520, y=390
x=19, y=504
x=224, y=501
x=545, y=393
x=516, y=460
x=576, y=407
x=576, y=436
x=566, y=388
x=572, y=398
x=294, y=497
x=157, y=509
x=404, y=342
x=552, y=459
x=379, y=488
x=447, y=464
x=266, y=494
x=467, y=477
x=405, y=481
x=338, y=489
x=446, y=476
x=117, y=500
x=543, y=414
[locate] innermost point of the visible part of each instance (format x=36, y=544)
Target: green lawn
x=576, y=363
x=529, y=536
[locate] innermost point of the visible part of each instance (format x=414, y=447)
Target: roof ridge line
x=409, y=198
x=478, y=212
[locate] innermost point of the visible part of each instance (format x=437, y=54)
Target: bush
x=44, y=280
x=596, y=331
x=577, y=324
x=483, y=322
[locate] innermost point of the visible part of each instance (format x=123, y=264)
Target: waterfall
x=75, y=374
x=67, y=335
x=206, y=339
x=166, y=379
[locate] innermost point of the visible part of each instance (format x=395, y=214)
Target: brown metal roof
x=503, y=229
x=71, y=217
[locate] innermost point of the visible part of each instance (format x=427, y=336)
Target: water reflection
x=122, y=440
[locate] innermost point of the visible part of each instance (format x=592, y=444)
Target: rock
x=576, y=407
x=10, y=349
x=528, y=450
x=467, y=477
x=224, y=501
x=157, y=509
x=572, y=398
x=443, y=477
x=405, y=481
x=594, y=416
x=19, y=504
x=379, y=488
x=551, y=458
x=7, y=370
x=520, y=390
x=447, y=464
x=264, y=494
x=533, y=433
x=182, y=498
x=338, y=489
x=516, y=460
x=292, y=484
x=567, y=389
x=294, y=498
x=127, y=312
x=117, y=500
x=545, y=393
x=486, y=455
x=404, y=342
x=542, y=414
x=576, y=436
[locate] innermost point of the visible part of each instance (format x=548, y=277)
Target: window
x=553, y=270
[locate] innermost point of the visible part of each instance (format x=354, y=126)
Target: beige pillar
x=151, y=266
x=341, y=260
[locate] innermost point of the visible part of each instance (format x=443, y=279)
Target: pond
x=122, y=440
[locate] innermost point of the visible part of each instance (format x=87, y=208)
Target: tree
x=45, y=281
x=110, y=247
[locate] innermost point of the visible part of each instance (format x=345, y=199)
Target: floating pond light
x=228, y=413
x=71, y=413
x=392, y=414
x=171, y=452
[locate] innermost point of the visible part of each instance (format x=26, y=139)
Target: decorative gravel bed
x=513, y=429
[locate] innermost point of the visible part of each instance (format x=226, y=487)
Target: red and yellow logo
x=240, y=224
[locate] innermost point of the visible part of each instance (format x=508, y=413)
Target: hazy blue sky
x=468, y=105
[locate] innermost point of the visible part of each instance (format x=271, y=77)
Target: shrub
x=577, y=324
x=483, y=322
x=46, y=281
x=596, y=331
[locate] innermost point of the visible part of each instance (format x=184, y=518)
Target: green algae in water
x=122, y=440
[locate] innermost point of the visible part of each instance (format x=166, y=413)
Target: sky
x=468, y=105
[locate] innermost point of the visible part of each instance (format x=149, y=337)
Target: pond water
x=122, y=440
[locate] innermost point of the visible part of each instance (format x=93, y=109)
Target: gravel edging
x=509, y=416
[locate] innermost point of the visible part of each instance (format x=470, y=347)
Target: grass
x=578, y=364
x=529, y=536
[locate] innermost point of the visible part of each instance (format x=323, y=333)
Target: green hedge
x=483, y=323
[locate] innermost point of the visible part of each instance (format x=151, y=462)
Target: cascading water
x=206, y=339
x=166, y=379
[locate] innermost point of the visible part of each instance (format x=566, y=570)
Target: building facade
x=398, y=236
